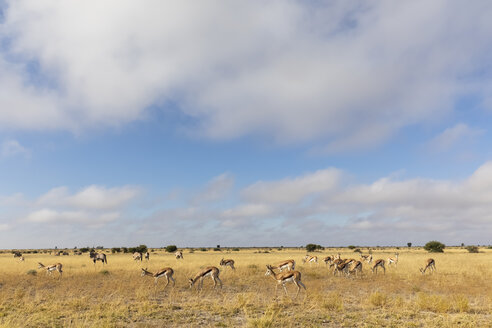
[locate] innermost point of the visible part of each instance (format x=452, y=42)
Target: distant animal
x=378, y=264
x=17, y=254
x=310, y=259
x=228, y=262
x=286, y=265
x=50, y=268
x=393, y=260
x=356, y=269
x=328, y=260
x=98, y=257
x=179, y=255
x=165, y=272
x=430, y=264
x=147, y=256
x=212, y=272
x=137, y=256
x=284, y=277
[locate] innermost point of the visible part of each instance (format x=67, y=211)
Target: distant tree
x=115, y=250
x=218, y=246
x=171, y=248
x=313, y=247
x=472, y=249
x=84, y=249
x=141, y=249
x=462, y=244
x=352, y=247
x=434, y=247
x=125, y=250
x=409, y=245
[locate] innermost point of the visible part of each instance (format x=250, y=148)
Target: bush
x=115, y=250
x=203, y=249
x=472, y=249
x=32, y=272
x=235, y=249
x=171, y=248
x=434, y=247
x=351, y=247
x=313, y=247
x=84, y=249
x=357, y=250
x=217, y=249
x=124, y=249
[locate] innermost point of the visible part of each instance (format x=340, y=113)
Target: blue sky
x=254, y=124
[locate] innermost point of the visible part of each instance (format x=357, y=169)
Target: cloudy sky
x=245, y=123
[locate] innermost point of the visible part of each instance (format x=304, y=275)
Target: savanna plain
x=457, y=294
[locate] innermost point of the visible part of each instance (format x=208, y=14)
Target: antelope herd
x=286, y=269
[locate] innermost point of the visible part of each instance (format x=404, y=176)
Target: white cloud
x=11, y=148
x=292, y=190
x=217, y=189
x=454, y=135
x=347, y=73
x=93, y=197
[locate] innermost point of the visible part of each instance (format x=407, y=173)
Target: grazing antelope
x=165, y=272
x=147, y=256
x=356, y=269
x=211, y=272
x=137, y=256
x=179, y=255
x=286, y=265
x=98, y=257
x=50, y=268
x=431, y=265
x=393, y=260
x=378, y=263
x=228, y=262
x=328, y=259
x=367, y=258
x=310, y=259
x=284, y=277
x=21, y=259
x=342, y=267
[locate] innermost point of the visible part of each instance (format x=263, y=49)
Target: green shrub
x=434, y=247
x=472, y=249
x=171, y=248
x=313, y=247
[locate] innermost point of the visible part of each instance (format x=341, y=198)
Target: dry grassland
x=459, y=294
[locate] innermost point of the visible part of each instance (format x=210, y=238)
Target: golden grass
x=458, y=294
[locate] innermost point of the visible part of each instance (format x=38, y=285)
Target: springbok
x=137, y=256
x=328, y=259
x=356, y=269
x=179, y=255
x=50, y=268
x=392, y=260
x=212, y=272
x=430, y=264
x=228, y=262
x=165, y=272
x=286, y=265
x=310, y=259
x=378, y=263
x=147, y=256
x=284, y=277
